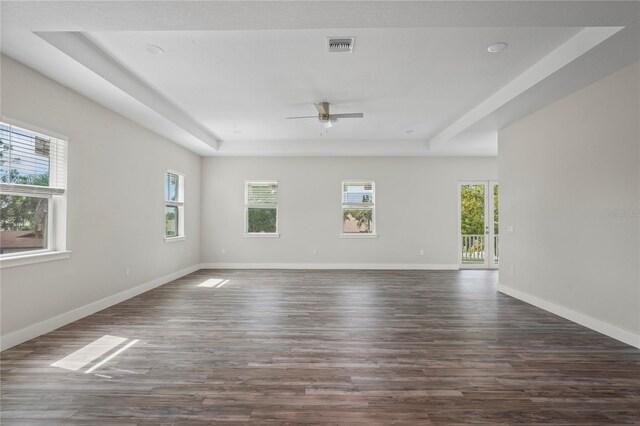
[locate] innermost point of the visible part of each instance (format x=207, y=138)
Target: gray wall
x=416, y=208
x=567, y=172
x=115, y=203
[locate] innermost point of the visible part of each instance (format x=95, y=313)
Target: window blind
x=262, y=193
x=29, y=158
x=172, y=187
x=357, y=193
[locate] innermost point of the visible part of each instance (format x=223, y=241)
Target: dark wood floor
x=322, y=347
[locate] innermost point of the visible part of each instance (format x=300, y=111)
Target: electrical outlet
x=223, y=251
x=511, y=270
x=510, y=229
x=315, y=251
x=421, y=252
x=127, y=271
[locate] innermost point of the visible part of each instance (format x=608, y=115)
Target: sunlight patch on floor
x=213, y=282
x=93, y=351
x=89, y=353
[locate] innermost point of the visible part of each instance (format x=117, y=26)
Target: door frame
x=489, y=262
x=492, y=184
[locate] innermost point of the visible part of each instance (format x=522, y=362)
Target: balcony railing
x=473, y=248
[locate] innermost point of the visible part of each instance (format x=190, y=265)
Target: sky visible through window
x=357, y=193
x=171, y=187
x=25, y=157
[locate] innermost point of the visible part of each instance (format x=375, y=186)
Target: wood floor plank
x=322, y=347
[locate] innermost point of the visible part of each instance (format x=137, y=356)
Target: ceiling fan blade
x=348, y=115
x=322, y=107
x=306, y=116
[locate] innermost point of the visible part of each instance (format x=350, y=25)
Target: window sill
x=27, y=259
x=262, y=235
x=175, y=239
x=358, y=235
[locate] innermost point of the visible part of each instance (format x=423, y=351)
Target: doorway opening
x=478, y=232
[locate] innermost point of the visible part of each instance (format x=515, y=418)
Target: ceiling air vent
x=342, y=44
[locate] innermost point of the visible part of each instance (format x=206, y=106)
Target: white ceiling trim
x=573, y=48
x=328, y=147
x=84, y=51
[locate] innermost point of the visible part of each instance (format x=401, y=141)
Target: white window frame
x=260, y=206
x=371, y=205
x=56, y=204
x=179, y=203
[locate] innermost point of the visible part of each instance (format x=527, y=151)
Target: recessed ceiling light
x=154, y=50
x=497, y=47
x=408, y=131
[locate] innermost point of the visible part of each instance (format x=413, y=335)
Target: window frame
x=362, y=206
x=178, y=204
x=56, y=202
x=247, y=206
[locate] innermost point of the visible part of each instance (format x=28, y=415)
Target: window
x=261, y=208
x=358, y=208
x=33, y=194
x=173, y=206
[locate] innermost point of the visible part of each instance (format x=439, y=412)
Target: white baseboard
x=605, y=328
x=48, y=325
x=366, y=266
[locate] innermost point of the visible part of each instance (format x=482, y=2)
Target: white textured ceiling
x=232, y=71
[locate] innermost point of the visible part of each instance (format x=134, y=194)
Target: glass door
x=478, y=224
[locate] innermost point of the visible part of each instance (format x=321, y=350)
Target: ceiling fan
x=326, y=118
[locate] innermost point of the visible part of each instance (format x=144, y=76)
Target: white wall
x=562, y=170
x=416, y=208
x=115, y=208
